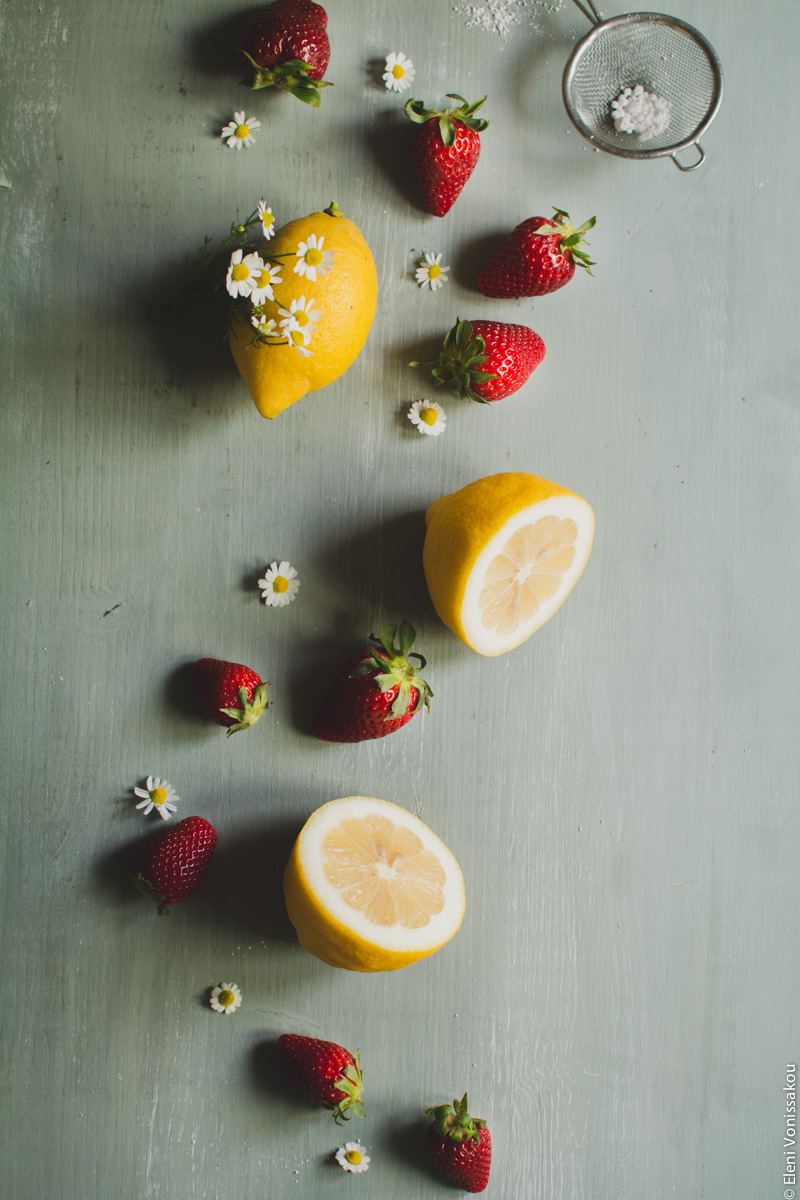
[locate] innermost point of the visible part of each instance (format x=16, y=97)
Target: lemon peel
x=502, y=554
x=276, y=375
x=369, y=887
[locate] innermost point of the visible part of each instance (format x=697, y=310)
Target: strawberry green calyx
x=459, y=364
x=152, y=893
x=291, y=75
x=251, y=709
x=572, y=238
x=352, y=1084
x=392, y=661
x=453, y=1121
x=447, y=117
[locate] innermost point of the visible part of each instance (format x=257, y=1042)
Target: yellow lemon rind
x=322, y=934
x=466, y=528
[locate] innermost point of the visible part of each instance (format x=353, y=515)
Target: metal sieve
x=667, y=57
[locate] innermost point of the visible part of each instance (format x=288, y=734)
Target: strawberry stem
x=251, y=710
x=392, y=661
x=352, y=1084
x=458, y=365
x=147, y=889
x=454, y=1121
x=572, y=237
x=291, y=75
x=447, y=117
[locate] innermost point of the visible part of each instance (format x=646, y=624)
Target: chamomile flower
x=298, y=339
x=279, y=585
x=263, y=281
x=399, y=73
x=431, y=272
x=158, y=795
x=352, y=1157
x=266, y=326
x=225, y=998
x=312, y=261
x=302, y=316
x=267, y=220
x=243, y=271
x=239, y=131
x=428, y=417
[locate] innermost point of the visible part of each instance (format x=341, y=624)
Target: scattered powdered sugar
x=500, y=16
x=638, y=111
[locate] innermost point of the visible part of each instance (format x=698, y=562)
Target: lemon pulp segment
x=370, y=887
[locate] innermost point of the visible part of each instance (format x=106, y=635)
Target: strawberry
x=460, y=1146
x=287, y=46
x=486, y=360
x=230, y=693
x=538, y=257
x=325, y=1074
x=445, y=149
x=169, y=866
x=376, y=692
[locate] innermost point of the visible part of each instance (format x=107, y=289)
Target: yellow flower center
x=226, y=998
x=301, y=317
x=398, y=71
x=434, y=271
x=297, y=338
x=313, y=257
x=240, y=271
x=263, y=279
x=280, y=584
x=353, y=1157
x=158, y=795
x=242, y=131
x=267, y=220
x=428, y=415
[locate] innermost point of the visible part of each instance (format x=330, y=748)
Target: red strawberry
x=376, y=692
x=444, y=149
x=229, y=693
x=169, y=866
x=538, y=257
x=287, y=46
x=486, y=360
x=325, y=1074
x=460, y=1146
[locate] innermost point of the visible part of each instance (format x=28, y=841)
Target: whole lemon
x=502, y=554
x=333, y=293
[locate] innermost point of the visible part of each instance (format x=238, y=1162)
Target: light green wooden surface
x=621, y=791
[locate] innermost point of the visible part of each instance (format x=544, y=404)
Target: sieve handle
x=691, y=166
x=593, y=16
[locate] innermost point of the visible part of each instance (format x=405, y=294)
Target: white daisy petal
x=427, y=417
x=430, y=271
x=352, y=1157
x=399, y=73
x=239, y=131
x=279, y=585
x=267, y=219
x=159, y=795
x=225, y=998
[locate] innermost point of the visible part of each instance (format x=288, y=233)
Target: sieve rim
x=627, y=19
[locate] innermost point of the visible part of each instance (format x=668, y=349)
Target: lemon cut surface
x=369, y=887
x=502, y=554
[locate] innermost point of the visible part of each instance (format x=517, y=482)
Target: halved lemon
x=369, y=887
x=502, y=554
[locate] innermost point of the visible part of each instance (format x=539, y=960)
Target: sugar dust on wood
x=501, y=16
